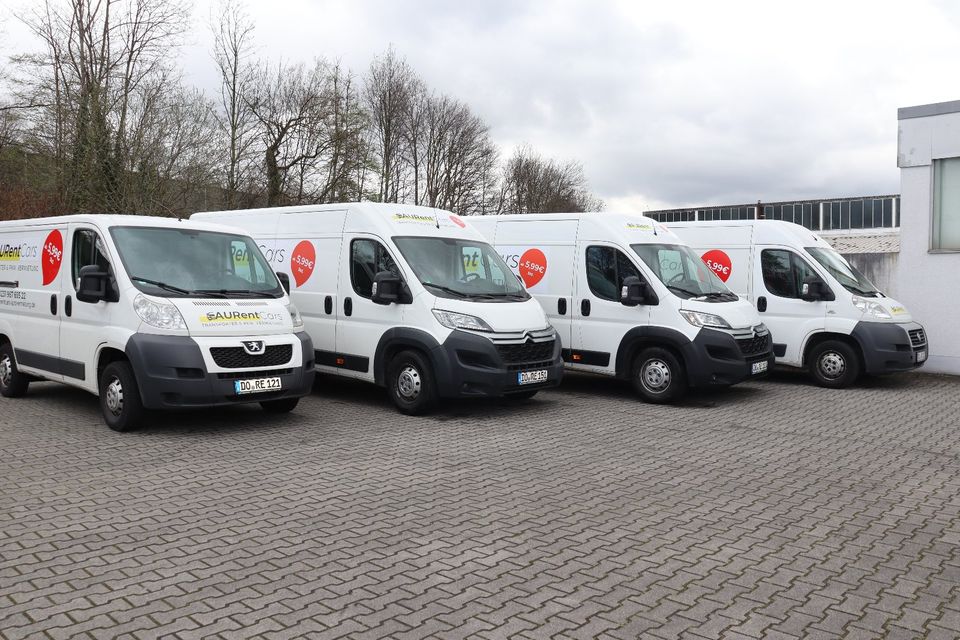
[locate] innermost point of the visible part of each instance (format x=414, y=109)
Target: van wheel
x=658, y=376
x=410, y=383
x=120, y=397
x=834, y=364
x=284, y=405
x=13, y=384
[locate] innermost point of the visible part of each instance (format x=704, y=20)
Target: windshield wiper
x=163, y=285
x=692, y=294
x=250, y=293
x=447, y=289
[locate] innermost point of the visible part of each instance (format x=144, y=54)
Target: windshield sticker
x=718, y=262
x=302, y=261
x=415, y=218
x=241, y=318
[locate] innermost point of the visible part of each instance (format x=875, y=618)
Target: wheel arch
x=819, y=338
x=398, y=339
x=639, y=338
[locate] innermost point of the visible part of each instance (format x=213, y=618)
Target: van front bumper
x=891, y=348
x=469, y=365
x=716, y=358
x=172, y=374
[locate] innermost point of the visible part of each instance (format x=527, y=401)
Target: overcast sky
x=665, y=104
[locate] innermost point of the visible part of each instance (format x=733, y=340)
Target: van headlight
x=871, y=308
x=701, y=319
x=161, y=315
x=454, y=320
x=295, y=316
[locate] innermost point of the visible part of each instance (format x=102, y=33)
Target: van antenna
x=436, y=220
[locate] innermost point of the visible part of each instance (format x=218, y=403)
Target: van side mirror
x=814, y=289
x=94, y=284
x=635, y=291
x=284, y=281
x=388, y=288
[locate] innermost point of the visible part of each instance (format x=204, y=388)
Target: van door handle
x=347, y=306
x=562, y=306
x=585, y=307
x=53, y=304
x=328, y=305
x=68, y=306
x=762, y=304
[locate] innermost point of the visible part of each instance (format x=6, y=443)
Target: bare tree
x=99, y=57
x=532, y=184
x=233, y=41
x=289, y=103
x=388, y=87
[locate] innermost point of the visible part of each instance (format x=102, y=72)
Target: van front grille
x=753, y=346
x=237, y=358
x=917, y=338
x=526, y=352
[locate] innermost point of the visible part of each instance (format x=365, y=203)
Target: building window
x=946, y=204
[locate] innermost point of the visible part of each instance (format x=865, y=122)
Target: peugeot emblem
x=253, y=347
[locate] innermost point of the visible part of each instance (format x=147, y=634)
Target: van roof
x=633, y=228
x=107, y=220
x=764, y=231
x=384, y=219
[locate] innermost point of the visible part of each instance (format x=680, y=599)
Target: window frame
x=75, y=235
x=353, y=282
x=935, y=214
x=794, y=257
x=617, y=262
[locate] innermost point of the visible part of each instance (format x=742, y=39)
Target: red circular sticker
x=52, y=256
x=302, y=261
x=718, y=262
x=457, y=221
x=532, y=266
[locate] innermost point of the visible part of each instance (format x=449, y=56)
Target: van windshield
x=682, y=271
x=455, y=268
x=845, y=273
x=178, y=263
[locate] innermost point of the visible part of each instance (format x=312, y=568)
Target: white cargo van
x=407, y=297
x=147, y=313
x=632, y=300
x=823, y=313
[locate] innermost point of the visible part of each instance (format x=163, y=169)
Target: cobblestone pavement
x=772, y=510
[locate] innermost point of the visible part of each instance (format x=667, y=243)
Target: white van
x=407, y=297
x=823, y=313
x=632, y=300
x=147, y=313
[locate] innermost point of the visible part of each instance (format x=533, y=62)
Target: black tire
x=658, y=376
x=411, y=384
x=13, y=384
x=283, y=405
x=834, y=364
x=120, y=397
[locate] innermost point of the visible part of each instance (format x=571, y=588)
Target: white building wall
x=928, y=283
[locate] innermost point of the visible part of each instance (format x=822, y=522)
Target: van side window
x=367, y=259
x=606, y=269
x=87, y=249
x=784, y=272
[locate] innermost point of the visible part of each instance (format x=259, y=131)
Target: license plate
x=759, y=367
x=531, y=377
x=256, y=385
x=921, y=356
